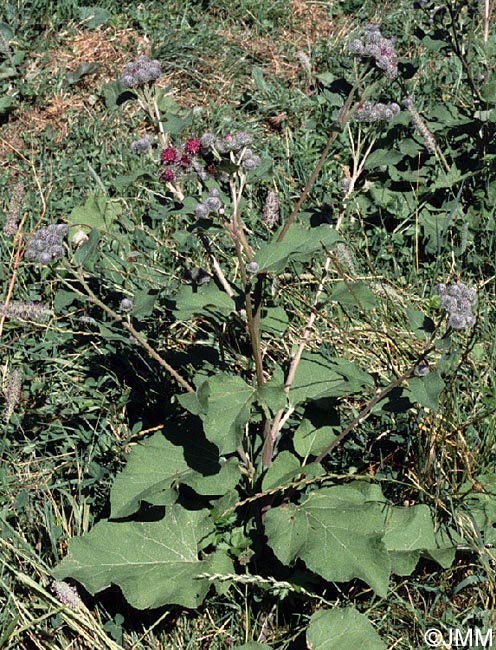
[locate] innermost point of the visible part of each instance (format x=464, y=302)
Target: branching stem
x=131, y=329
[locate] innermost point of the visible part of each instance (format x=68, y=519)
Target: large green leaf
x=383, y=157
x=274, y=320
x=153, y=562
x=337, y=532
x=409, y=533
x=285, y=468
x=143, y=302
x=479, y=511
x=349, y=531
x=342, y=629
x=488, y=92
x=156, y=468
x=318, y=376
x=299, y=244
x=85, y=254
x=228, y=410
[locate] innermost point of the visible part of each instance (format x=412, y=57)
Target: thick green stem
x=241, y=244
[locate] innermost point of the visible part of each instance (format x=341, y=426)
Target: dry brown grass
x=112, y=48
x=107, y=47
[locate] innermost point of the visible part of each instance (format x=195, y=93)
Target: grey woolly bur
x=47, y=244
x=458, y=301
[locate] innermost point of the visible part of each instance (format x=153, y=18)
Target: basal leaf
x=125, y=180
x=85, y=254
x=272, y=395
x=274, y=320
x=94, y=16
x=337, y=533
x=418, y=322
x=7, y=104
x=410, y=147
x=193, y=402
x=480, y=507
x=354, y=293
x=258, y=78
x=143, y=302
x=156, y=468
x=450, y=178
x=381, y=157
x=98, y=212
x=342, y=629
x=176, y=124
x=153, y=562
x=73, y=76
x=284, y=468
x=409, y=533
x=63, y=299
x=488, y=92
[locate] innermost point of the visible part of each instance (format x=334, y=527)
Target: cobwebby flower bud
x=126, y=304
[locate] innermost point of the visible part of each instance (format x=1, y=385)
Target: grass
x=85, y=405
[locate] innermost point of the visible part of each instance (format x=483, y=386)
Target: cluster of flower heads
x=126, y=304
x=459, y=301
x=47, y=245
x=180, y=160
x=143, y=144
x=345, y=258
x=140, y=72
x=370, y=112
x=235, y=143
x=211, y=204
x=204, y=155
x=197, y=276
x=374, y=45
x=252, y=268
x=345, y=185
